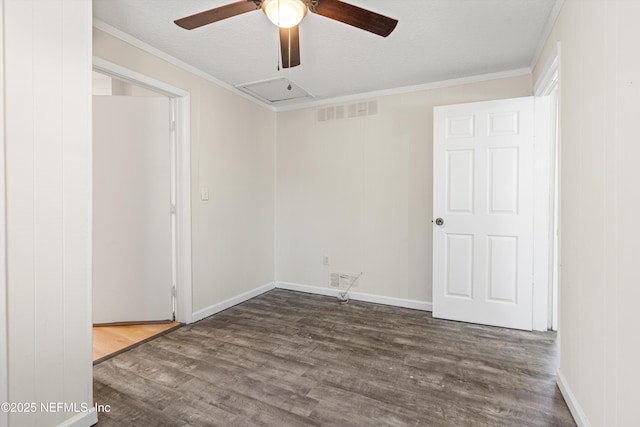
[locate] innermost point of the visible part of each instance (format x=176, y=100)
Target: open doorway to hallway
x=134, y=228
x=129, y=82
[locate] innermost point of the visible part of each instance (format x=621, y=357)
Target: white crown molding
x=407, y=89
x=548, y=79
x=128, y=38
x=551, y=22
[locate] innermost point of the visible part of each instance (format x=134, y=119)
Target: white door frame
x=181, y=102
x=547, y=84
x=542, y=190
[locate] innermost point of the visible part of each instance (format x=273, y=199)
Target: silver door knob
x=439, y=221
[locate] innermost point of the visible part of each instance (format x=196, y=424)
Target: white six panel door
x=483, y=192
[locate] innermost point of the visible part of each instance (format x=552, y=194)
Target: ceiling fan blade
x=290, y=47
x=216, y=14
x=356, y=17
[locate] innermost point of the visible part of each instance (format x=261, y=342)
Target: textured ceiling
x=435, y=40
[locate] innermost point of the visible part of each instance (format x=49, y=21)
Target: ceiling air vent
x=274, y=90
x=358, y=109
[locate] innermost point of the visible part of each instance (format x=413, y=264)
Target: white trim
x=407, y=89
x=358, y=296
x=274, y=259
x=83, y=419
x=139, y=79
x=547, y=85
x=378, y=299
x=4, y=336
x=574, y=407
x=127, y=38
x=184, y=285
x=221, y=306
x=547, y=81
x=553, y=16
x=183, y=169
x=542, y=221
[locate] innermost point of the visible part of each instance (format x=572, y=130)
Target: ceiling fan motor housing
x=285, y=13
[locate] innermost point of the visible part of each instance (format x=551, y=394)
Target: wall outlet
x=325, y=260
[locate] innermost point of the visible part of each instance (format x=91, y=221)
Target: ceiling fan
x=287, y=14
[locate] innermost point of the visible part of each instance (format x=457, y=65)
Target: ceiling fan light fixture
x=284, y=13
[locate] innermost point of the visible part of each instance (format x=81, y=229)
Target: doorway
x=478, y=278
x=548, y=85
x=173, y=103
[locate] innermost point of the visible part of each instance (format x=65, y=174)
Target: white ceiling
x=435, y=40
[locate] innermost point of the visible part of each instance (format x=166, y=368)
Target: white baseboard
x=83, y=419
x=216, y=308
x=576, y=410
x=358, y=296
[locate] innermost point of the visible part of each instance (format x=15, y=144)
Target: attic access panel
x=274, y=90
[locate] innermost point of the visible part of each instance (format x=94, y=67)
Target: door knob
x=439, y=221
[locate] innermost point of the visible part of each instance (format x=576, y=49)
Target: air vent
x=331, y=113
x=335, y=280
x=274, y=90
x=372, y=108
x=343, y=280
x=338, y=112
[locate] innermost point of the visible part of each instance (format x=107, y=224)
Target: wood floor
x=110, y=340
x=293, y=359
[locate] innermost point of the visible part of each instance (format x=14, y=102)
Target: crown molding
x=551, y=22
x=407, y=89
x=127, y=38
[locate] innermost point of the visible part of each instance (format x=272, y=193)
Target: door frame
x=542, y=220
x=181, y=104
x=548, y=84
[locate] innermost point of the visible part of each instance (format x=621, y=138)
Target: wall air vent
x=274, y=90
x=343, y=280
x=338, y=112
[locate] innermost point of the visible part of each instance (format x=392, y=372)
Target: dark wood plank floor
x=293, y=359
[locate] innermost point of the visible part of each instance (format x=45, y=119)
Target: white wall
x=600, y=199
x=232, y=154
x=360, y=191
x=3, y=240
x=47, y=101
